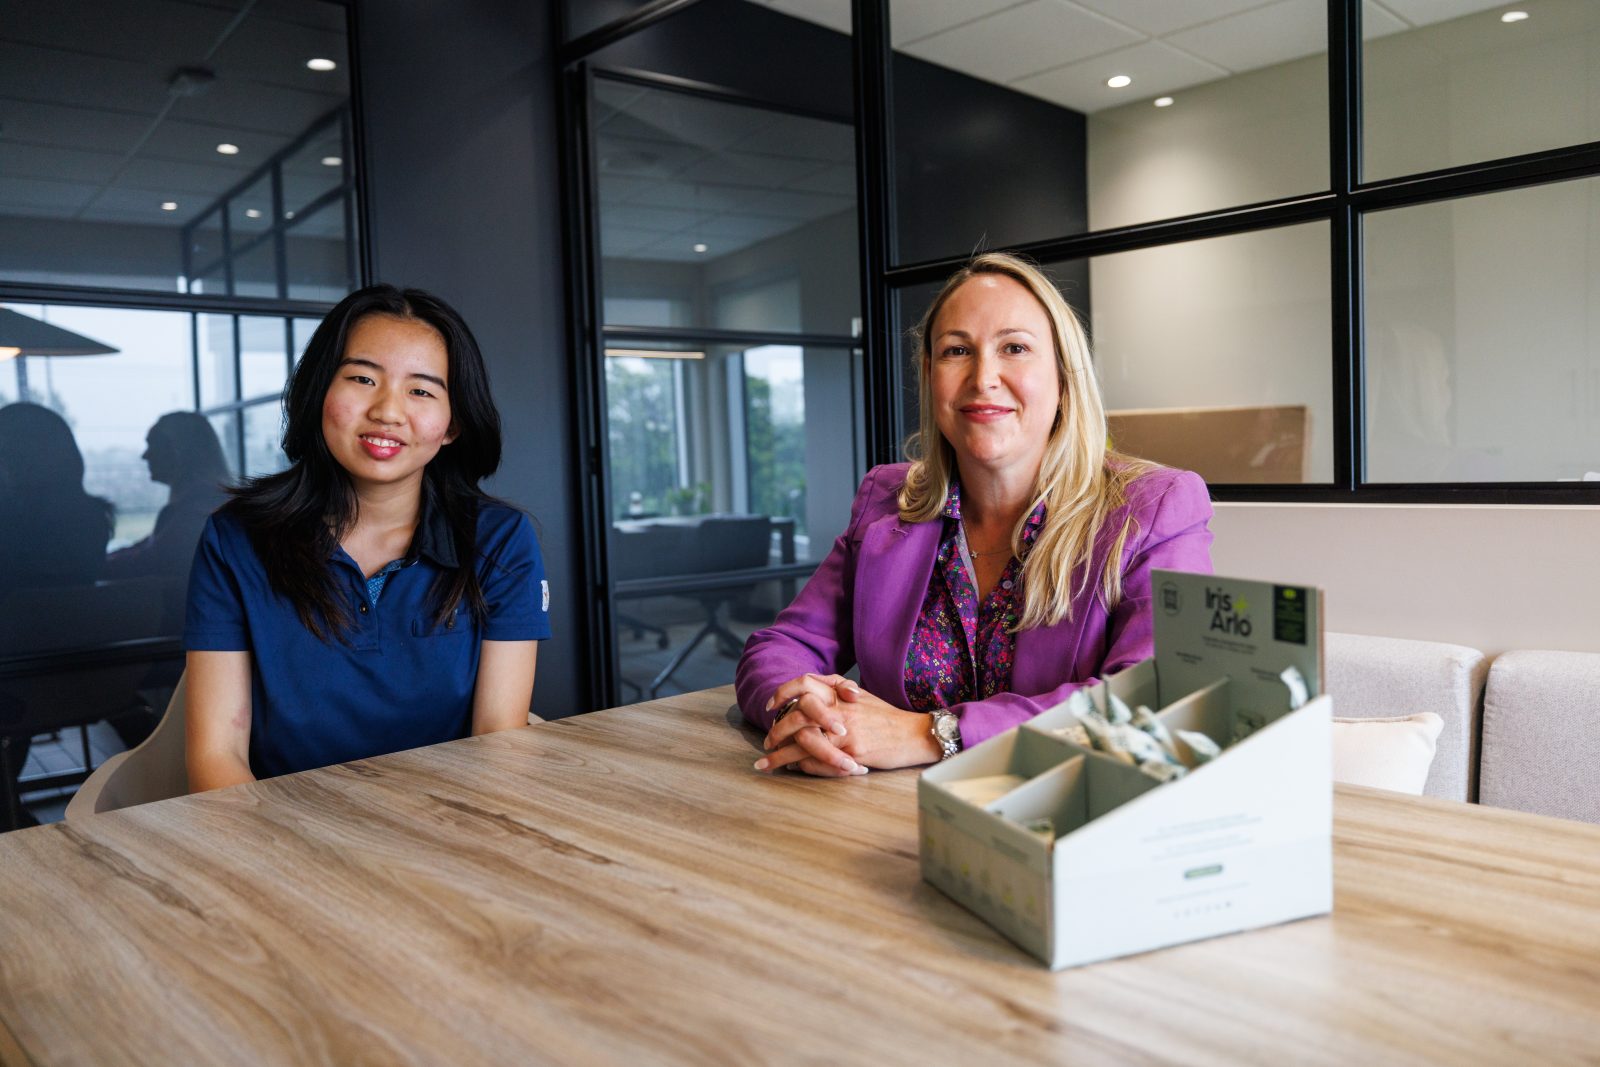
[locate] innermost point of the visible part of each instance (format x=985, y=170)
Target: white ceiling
x=90, y=131
x=1064, y=50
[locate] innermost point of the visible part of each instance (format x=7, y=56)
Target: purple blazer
x=861, y=605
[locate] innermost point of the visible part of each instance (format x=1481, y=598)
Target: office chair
x=155, y=770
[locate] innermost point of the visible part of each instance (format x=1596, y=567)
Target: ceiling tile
x=1424, y=12
x=189, y=142
x=60, y=197
x=168, y=179
x=1024, y=40
x=808, y=139
x=49, y=161
x=165, y=33
x=912, y=20
x=739, y=168
x=1154, y=67
x=1277, y=33
x=837, y=180
x=1377, y=22
x=70, y=127
x=1158, y=17
x=645, y=159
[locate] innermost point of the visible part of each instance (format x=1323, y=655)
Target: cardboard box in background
x=1133, y=864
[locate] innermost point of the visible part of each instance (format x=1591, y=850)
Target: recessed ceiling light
x=1513, y=16
x=700, y=247
x=1163, y=101
x=320, y=64
x=252, y=213
x=169, y=205
x=228, y=149
x=331, y=161
x=288, y=214
x=1119, y=81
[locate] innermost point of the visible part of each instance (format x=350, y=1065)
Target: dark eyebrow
x=356, y=361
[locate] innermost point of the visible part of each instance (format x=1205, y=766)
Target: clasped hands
x=837, y=729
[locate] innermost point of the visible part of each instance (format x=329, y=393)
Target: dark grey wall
x=462, y=158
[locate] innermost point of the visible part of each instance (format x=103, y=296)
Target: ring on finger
x=788, y=706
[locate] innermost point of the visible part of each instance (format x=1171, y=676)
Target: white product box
x=1130, y=864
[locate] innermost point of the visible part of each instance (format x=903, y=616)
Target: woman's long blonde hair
x=1081, y=478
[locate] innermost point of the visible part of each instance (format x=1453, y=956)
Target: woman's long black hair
x=296, y=518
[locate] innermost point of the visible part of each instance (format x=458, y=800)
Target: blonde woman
x=983, y=582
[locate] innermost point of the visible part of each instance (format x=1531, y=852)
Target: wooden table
x=623, y=888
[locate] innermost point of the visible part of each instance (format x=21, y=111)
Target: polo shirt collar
x=433, y=538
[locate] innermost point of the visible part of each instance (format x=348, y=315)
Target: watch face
x=948, y=727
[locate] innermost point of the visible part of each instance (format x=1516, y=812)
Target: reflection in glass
x=775, y=418
x=717, y=214
x=111, y=401
x=1450, y=84
x=316, y=255
x=227, y=426
x=111, y=174
x=1214, y=355
x=314, y=171
x=263, y=439
x=1481, y=358
x=255, y=269
x=214, y=357
x=262, y=365
x=644, y=402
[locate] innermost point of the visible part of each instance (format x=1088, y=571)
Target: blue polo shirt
x=399, y=679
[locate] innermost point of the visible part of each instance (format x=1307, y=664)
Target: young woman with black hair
x=371, y=598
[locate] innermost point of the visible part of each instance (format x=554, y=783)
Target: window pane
x=111, y=401
x=227, y=427
x=1483, y=362
x=303, y=329
x=263, y=439
x=1007, y=131
x=775, y=430
x=123, y=127
x=215, y=358
x=262, y=364
x=721, y=215
x=644, y=398
x=1214, y=355
x=1448, y=84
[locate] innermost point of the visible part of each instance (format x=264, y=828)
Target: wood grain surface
x=623, y=888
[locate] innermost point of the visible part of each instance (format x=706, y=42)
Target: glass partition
x=1483, y=364
x=1017, y=122
x=1446, y=84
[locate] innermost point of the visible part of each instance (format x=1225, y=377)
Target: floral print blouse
x=962, y=650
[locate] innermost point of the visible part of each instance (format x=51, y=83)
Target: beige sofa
x=1522, y=731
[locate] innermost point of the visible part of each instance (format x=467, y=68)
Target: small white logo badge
x=544, y=587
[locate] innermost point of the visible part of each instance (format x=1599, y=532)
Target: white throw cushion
x=1392, y=753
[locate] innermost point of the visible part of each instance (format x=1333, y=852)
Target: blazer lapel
x=892, y=573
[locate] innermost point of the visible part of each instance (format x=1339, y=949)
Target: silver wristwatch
x=946, y=731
